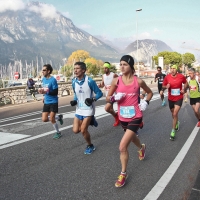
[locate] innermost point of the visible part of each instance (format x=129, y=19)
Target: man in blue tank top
x=84, y=87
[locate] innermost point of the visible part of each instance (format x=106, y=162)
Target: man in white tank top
x=106, y=83
x=84, y=89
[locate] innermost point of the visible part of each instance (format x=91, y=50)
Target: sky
x=175, y=22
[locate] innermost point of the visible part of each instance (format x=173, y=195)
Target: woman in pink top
x=127, y=89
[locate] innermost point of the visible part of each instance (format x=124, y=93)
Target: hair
x=49, y=67
x=129, y=59
x=192, y=70
x=81, y=64
x=159, y=68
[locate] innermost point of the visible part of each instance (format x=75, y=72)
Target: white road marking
x=157, y=190
x=10, y=137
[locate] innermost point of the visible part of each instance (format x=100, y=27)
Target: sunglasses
x=44, y=70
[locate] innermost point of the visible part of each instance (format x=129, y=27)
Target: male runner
x=130, y=114
x=106, y=82
x=173, y=82
x=160, y=77
x=50, y=91
x=194, y=93
x=84, y=100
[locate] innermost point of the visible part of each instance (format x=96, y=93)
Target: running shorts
x=132, y=125
x=172, y=103
x=193, y=101
x=50, y=107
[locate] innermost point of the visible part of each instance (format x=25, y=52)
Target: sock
x=56, y=127
x=173, y=130
x=56, y=117
x=124, y=173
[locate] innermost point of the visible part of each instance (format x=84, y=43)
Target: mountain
x=146, y=49
x=29, y=34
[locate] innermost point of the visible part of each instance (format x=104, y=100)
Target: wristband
x=147, y=101
x=143, y=95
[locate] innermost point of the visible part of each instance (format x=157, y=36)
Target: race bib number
x=127, y=111
x=175, y=92
x=193, y=87
x=83, y=106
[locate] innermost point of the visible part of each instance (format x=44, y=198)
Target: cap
x=129, y=59
x=107, y=65
x=174, y=67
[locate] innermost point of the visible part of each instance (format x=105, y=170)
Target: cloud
x=66, y=14
x=45, y=10
x=85, y=26
x=12, y=5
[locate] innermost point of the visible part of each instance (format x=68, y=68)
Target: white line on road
x=157, y=190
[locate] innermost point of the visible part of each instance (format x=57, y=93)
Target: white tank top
x=83, y=92
x=107, y=81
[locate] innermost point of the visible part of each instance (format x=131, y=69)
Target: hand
x=40, y=90
x=119, y=96
x=89, y=101
x=73, y=103
x=168, y=86
x=143, y=105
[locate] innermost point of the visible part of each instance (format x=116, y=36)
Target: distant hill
x=146, y=49
x=26, y=34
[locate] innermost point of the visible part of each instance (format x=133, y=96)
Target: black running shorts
x=50, y=107
x=172, y=103
x=132, y=125
x=193, y=101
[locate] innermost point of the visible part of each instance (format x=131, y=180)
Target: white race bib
x=83, y=106
x=175, y=92
x=127, y=111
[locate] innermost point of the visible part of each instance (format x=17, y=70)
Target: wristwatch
x=147, y=101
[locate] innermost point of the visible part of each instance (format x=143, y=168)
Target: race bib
x=193, y=87
x=127, y=111
x=83, y=106
x=175, y=92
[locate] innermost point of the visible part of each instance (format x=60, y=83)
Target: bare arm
x=101, y=85
x=112, y=89
x=146, y=89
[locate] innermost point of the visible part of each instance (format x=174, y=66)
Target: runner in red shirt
x=173, y=82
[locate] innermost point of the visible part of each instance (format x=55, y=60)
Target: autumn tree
x=188, y=59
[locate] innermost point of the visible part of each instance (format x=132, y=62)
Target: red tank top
x=128, y=108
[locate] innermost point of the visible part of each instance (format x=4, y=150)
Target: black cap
x=129, y=59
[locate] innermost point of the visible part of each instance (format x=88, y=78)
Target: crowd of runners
x=125, y=90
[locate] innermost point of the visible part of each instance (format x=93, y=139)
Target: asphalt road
x=34, y=166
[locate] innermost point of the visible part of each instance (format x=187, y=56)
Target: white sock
x=56, y=127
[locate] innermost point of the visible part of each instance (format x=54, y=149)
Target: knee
x=45, y=119
x=75, y=130
x=107, y=109
x=122, y=148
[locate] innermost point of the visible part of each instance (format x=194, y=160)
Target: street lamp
x=137, y=40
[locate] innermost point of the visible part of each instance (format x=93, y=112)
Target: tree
x=188, y=59
x=79, y=55
x=92, y=66
x=67, y=70
x=170, y=58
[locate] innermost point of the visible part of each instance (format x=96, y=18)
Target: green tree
x=67, y=70
x=188, y=59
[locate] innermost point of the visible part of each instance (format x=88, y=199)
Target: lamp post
x=137, y=41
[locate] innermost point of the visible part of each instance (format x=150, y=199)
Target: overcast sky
x=175, y=22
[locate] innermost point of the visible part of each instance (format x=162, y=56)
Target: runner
x=160, y=77
x=50, y=100
x=106, y=82
x=194, y=93
x=173, y=82
x=84, y=87
x=130, y=112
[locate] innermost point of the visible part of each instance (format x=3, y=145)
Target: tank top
x=128, y=107
x=83, y=92
x=194, y=89
x=107, y=81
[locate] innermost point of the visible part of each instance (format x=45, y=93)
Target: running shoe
x=60, y=119
x=163, y=103
x=198, y=124
x=121, y=180
x=172, y=135
x=141, y=125
x=116, y=120
x=177, y=126
x=141, y=152
x=57, y=135
x=89, y=149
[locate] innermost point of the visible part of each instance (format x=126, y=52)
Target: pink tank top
x=128, y=108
